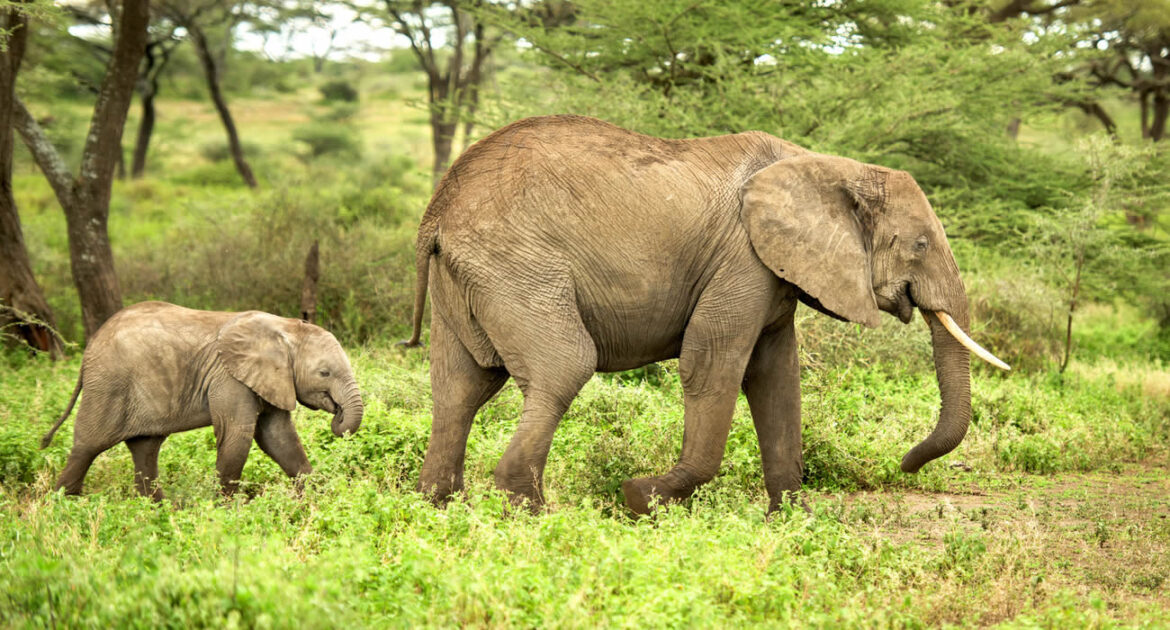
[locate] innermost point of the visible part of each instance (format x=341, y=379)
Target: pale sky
x=301, y=38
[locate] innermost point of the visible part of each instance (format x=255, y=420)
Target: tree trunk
x=442, y=139
x=1013, y=128
x=86, y=198
x=145, y=130
x=1161, y=107
x=309, y=287
x=149, y=89
x=92, y=259
x=23, y=308
x=1094, y=109
x=211, y=73
x=1144, y=99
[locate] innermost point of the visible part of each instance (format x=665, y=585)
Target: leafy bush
x=338, y=90
x=218, y=150
x=328, y=139
x=248, y=251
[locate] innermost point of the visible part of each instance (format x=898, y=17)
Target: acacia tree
x=1116, y=44
x=156, y=56
x=85, y=197
x=454, y=74
x=1135, y=35
x=161, y=41
x=197, y=19
x=23, y=308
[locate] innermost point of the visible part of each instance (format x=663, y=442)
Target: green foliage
x=359, y=547
x=904, y=83
x=328, y=139
x=338, y=90
x=218, y=150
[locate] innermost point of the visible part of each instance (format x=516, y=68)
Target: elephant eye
x=921, y=244
x=324, y=373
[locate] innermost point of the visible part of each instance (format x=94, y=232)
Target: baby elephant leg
x=144, y=451
x=234, y=413
x=80, y=459
x=276, y=436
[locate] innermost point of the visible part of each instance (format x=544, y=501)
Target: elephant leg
x=144, y=451
x=234, y=413
x=94, y=432
x=772, y=386
x=80, y=459
x=551, y=361
x=714, y=354
x=277, y=437
x=459, y=387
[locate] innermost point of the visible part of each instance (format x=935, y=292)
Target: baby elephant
x=154, y=369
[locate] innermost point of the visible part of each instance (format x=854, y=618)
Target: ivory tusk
x=967, y=342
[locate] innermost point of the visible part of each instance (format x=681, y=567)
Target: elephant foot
x=523, y=485
x=439, y=493
x=788, y=497
x=647, y=493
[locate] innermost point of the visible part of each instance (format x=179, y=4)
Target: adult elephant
x=562, y=245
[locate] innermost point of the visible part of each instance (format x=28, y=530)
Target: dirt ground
x=1103, y=536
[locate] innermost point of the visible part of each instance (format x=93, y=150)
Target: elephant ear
x=256, y=352
x=810, y=220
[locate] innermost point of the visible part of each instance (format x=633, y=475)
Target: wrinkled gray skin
x=560, y=246
x=154, y=369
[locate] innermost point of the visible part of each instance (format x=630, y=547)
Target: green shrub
x=338, y=90
x=328, y=139
x=218, y=150
x=217, y=174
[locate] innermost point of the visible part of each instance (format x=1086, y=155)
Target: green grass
x=358, y=547
x=1052, y=513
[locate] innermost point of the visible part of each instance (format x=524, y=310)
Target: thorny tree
x=454, y=76
x=85, y=197
x=161, y=41
x=24, y=313
x=198, y=18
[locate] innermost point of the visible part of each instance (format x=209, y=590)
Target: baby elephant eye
x=323, y=373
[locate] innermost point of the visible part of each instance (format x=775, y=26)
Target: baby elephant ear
x=256, y=353
x=809, y=219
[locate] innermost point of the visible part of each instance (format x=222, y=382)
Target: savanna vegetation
x=1035, y=127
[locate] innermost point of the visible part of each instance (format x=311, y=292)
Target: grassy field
x=1054, y=512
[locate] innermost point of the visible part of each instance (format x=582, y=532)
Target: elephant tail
x=428, y=236
x=68, y=410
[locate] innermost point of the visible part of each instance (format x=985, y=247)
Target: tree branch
x=44, y=153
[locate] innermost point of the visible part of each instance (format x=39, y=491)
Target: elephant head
x=285, y=361
x=858, y=239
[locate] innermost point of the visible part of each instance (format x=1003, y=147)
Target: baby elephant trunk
x=348, y=417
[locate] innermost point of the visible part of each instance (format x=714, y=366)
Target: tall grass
x=358, y=547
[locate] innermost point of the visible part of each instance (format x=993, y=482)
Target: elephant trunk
x=350, y=409
x=952, y=367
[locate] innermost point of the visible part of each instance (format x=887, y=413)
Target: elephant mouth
x=898, y=302
x=905, y=304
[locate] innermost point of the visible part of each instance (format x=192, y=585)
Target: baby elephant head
x=286, y=360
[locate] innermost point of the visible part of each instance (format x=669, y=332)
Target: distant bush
x=339, y=112
x=338, y=90
x=247, y=252
x=219, y=173
x=218, y=150
x=324, y=139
